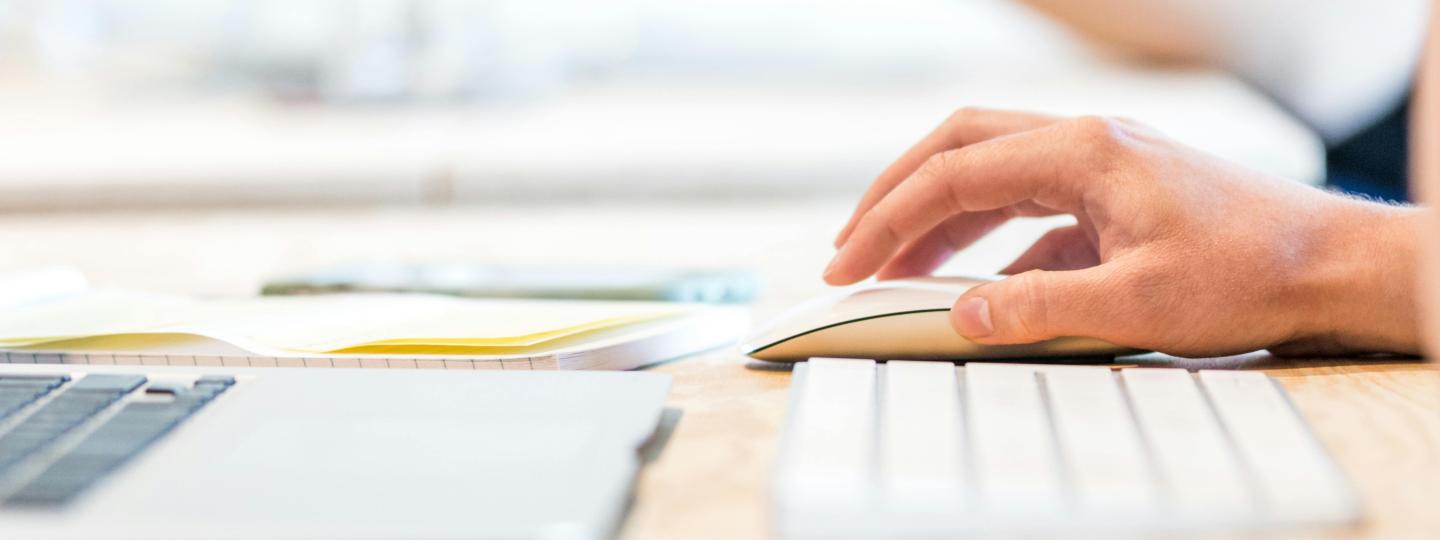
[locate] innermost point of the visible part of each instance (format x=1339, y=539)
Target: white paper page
x=95, y=313
x=33, y=285
x=316, y=323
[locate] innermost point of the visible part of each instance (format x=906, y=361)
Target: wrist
x=1356, y=292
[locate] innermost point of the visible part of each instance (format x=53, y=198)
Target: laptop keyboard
x=930, y=449
x=59, y=436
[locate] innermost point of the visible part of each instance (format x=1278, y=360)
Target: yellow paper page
x=332, y=323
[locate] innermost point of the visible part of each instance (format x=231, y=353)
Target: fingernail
x=972, y=317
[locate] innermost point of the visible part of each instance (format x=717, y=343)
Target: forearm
x=1356, y=293
x=1250, y=39
x=1425, y=173
x=1161, y=30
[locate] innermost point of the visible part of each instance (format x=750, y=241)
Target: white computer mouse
x=898, y=319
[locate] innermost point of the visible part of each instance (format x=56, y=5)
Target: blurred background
x=241, y=141
x=202, y=103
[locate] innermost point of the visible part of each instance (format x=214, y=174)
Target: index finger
x=1040, y=165
x=963, y=127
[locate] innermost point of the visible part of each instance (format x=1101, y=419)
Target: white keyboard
x=926, y=449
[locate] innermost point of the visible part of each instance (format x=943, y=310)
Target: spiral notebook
x=78, y=325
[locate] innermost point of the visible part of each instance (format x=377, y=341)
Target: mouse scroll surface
x=897, y=319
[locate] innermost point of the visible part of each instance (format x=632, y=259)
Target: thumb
x=1036, y=306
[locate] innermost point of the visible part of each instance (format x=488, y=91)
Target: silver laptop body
x=307, y=454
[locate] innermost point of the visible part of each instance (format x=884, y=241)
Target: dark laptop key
x=9, y=407
x=149, y=409
x=75, y=472
x=64, y=406
x=118, y=446
x=16, y=450
x=43, y=381
x=61, y=483
x=55, y=419
x=18, y=454
x=223, y=380
x=73, y=407
x=22, y=393
x=95, y=397
x=41, y=432
x=133, y=428
x=56, y=379
x=25, y=385
x=203, y=392
x=108, y=383
x=20, y=444
x=165, y=388
x=40, y=429
x=24, y=396
x=61, y=378
x=194, y=399
x=83, y=403
x=42, y=495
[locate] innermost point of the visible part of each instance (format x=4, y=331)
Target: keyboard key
x=14, y=402
x=194, y=399
x=46, y=494
x=223, y=380
x=24, y=391
x=57, y=379
x=1199, y=468
x=922, y=447
x=62, y=480
x=105, y=382
x=25, y=395
x=26, y=384
x=129, y=431
x=57, y=417
x=1105, y=460
x=829, y=450
x=166, y=388
x=1295, y=479
x=1014, y=452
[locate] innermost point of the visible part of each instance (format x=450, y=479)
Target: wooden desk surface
x=1380, y=419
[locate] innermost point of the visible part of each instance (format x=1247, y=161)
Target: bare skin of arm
x=1153, y=30
x=1425, y=122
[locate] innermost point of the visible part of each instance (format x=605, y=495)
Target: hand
x=1173, y=250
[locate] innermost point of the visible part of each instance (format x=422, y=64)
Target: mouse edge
x=758, y=352
x=924, y=327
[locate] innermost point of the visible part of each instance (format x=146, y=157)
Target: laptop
x=908, y=449
x=142, y=452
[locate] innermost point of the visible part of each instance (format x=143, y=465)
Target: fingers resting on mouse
x=1172, y=250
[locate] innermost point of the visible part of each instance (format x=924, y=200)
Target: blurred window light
x=399, y=50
